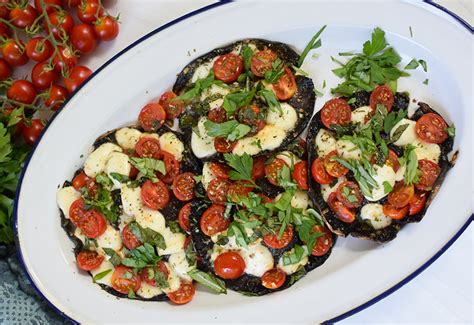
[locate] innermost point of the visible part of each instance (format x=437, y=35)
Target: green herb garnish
x=209, y=280
x=313, y=44
x=148, y=167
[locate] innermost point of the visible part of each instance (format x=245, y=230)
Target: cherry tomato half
x=334, y=168
x=393, y=212
x=285, y=87
x=92, y=223
x=323, y=243
x=213, y=221
x=272, y=170
x=89, y=260
x=129, y=239
x=125, y=280
x=349, y=194
x=148, y=147
x=155, y=195
x=429, y=174
x=183, y=216
x=382, y=95
x=222, y=145
x=401, y=195
x=229, y=265
x=335, y=111
x=219, y=170
x=273, y=279
x=228, y=67
x=173, y=107
x=217, y=190
x=319, y=172
x=431, y=128
x=300, y=175
x=152, y=116
x=418, y=202
x=183, y=186
x=261, y=62
x=275, y=241
x=183, y=295
x=342, y=212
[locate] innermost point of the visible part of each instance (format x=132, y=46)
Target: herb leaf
x=209, y=280
x=148, y=167
x=392, y=119
x=295, y=255
x=241, y=167
x=314, y=43
x=232, y=129
x=101, y=275
x=115, y=259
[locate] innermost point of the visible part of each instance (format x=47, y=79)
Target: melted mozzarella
x=131, y=200
x=382, y=174
x=327, y=189
x=201, y=143
x=284, y=118
x=400, y=174
x=269, y=138
x=425, y=150
x=153, y=219
x=147, y=291
x=95, y=163
x=300, y=200
x=107, y=279
x=374, y=213
x=408, y=136
x=359, y=114
x=292, y=268
x=110, y=239
x=288, y=157
x=202, y=71
x=174, y=242
x=325, y=143
x=207, y=175
x=258, y=259
x=65, y=197
x=127, y=138
x=117, y=163
x=180, y=265
x=348, y=150
x=79, y=235
x=170, y=143
x=215, y=90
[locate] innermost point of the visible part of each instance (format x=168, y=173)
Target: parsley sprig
x=313, y=44
x=148, y=167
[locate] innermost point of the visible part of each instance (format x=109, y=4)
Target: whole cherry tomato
x=51, y=5
x=22, y=91
x=65, y=60
x=43, y=75
x=39, y=49
x=89, y=10
x=5, y=69
x=107, y=28
x=23, y=16
x=56, y=96
x=83, y=38
x=14, y=53
x=76, y=78
x=32, y=132
x=61, y=24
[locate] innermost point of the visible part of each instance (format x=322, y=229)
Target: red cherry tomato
x=393, y=212
x=23, y=17
x=14, y=53
x=4, y=30
x=349, y=194
x=61, y=24
x=239, y=189
x=152, y=116
x=261, y=62
x=273, y=240
x=148, y=147
x=417, y=203
x=319, y=172
x=22, y=91
x=285, y=87
x=183, y=295
x=129, y=239
x=431, y=128
x=89, y=10
x=272, y=170
x=324, y=243
x=342, y=212
x=5, y=70
x=43, y=75
x=39, y=49
x=392, y=160
x=56, y=97
x=107, y=28
x=217, y=115
x=334, y=168
x=171, y=166
x=273, y=279
x=183, y=216
x=4, y=10
x=219, y=170
x=125, y=280
x=80, y=181
x=155, y=195
x=213, y=221
x=382, y=95
x=429, y=174
x=173, y=107
x=335, y=111
x=65, y=60
x=300, y=175
x=217, y=190
x=51, y=5
x=401, y=195
x=183, y=186
x=72, y=3
x=159, y=267
x=89, y=260
x=76, y=211
x=83, y=38
x=92, y=223
x=77, y=76
x=222, y=145
x=228, y=67
x=229, y=265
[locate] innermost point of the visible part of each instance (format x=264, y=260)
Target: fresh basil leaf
x=115, y=259
x=247, y=53
x=451, y=131
x=276, y=72
x=314, y=43
x=297, y=275
x=295, y=255
x=423, y=64
x=232, y=129
x=240, y=131
x=119, y=177
x=148, y=167
x=160, y=279
x=154, y=238
x=101, y=275
x=209, y=280
x=377, y=44
x=271, y=100
x=387, y=187
x=411, y=163
x=103, y=180
x=413, y=64
x=392, y=119
x=237, y=230
x=398, y=133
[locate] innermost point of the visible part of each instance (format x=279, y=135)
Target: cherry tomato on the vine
x=66, y=59
x=56, y=96
x=5, y=69
x=39, y=49
x=107, y=28
x=83, y=38
x=61, y=24
x=23, y=17
x=51, y=5
x=22, y=91
x=32, y=132
x=76, y=77
x=89, y=10
x=14, y=53
x=43, y=75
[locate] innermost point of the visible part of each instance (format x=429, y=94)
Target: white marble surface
x=442, y=293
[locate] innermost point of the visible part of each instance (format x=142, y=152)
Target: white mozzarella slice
x=150, y=135
x=288, y=157
x=408, y=136
x=65, y=197
x=127, y=138
x=359, y=114
x=400, y=174
x=201, y=143
x=148, y=291
x=79, y=235
x=174, y=281
x=327, y=189
x=249, y=145
x=95, y=163
x=207, y=175
x=284, y=118
x=348, y=150
x=325, y=142
x=180, y=265
x=117, y=163
x=110, y=239
x=374, y=213
x=300, y=200
x=425, y=150
x=125, y=219
x=153, y=219
x=131, y=200
x=382, y=174
x=104, y=266
x=292, y=268
x=174, y=242
x=258, y=259
x=269, y=138
x=170, y=143
x=202, y=71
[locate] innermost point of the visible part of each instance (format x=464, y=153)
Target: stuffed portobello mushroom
x=121, y=211
x=255, y=230
x=245, y=97
x=373, y=167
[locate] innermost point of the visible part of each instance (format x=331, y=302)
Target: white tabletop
x=442, y=293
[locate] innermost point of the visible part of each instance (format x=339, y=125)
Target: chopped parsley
x=148, y=167
x=313, y=44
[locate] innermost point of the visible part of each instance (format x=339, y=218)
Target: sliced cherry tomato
x=349, y=194
x=213, y=221
x=323, y=243
x=106, y=28
x=14, y=53
x=392, y=160
x=5, y=69
x=152, y=116
x=80, y=181
x=83, y=38
x=76, y=211
x=219, y=170
x=334, y=168
x=238, y=190
x=23, y=17
x=51, y=5
x=229, y=265
x=393, y=212
x=89, y=10
x=273, y=279
x=228, y=67
x=319, y=173
x=43, y=75
x=183, y=186
x=223, y=145
x=265, y=199
x=32, y=132
x=417, y=203
x=171, y=166
x=183, y=295
x=217, y=115
x=65, y=59
x=429, y=174
x=77, y=76
x=56, y=97
x=89, y=260
x=382, y=95
x=342, y=212
x=253, y=117
x=258, y=168
x=261, y=62
x=148, y=147
x=217, y=190
x=173, y=107
x=183, y=217
x=274, y=241
x=92, y=223
x=300, y=175
x=129, y=239
x=125, y=280
x=285, y=87
x=147, y=274
x=431, y=128
x=39, y=49
x=272, y=170
x=22, y=91
x=155, y=195
x=61, y=23
x=335, y=111
x=401, y=195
